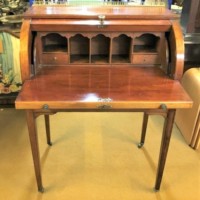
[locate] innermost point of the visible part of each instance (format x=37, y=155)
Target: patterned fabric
x=10, y=75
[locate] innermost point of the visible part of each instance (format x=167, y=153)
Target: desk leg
x=144, y=128
x=167, y=130
x=34, y=147
x=47, y=126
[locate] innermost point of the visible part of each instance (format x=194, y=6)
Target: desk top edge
x=110, y=12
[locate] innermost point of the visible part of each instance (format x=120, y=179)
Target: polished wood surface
x=89, y=25
x=84, y=87
x=25, y=50
x=111, y=12
x=130, y=21
x=176, y=46
x=132, y=62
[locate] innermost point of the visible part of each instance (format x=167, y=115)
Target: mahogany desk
x=98, y=60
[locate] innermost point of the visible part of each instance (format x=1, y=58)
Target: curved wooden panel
x=176, y=43
x=25, y=50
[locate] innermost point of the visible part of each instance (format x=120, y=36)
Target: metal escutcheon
x=104, y=106
x=104, y=103
x=101, y=21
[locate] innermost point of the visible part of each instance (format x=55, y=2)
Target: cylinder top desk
x=101, y=59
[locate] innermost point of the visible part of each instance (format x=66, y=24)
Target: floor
x=95, y=157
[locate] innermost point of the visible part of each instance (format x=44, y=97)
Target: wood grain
x=82, y=87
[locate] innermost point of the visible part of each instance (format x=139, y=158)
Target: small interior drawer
x=145, y=59
x=54, y=58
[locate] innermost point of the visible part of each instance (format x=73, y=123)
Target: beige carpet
x=95, y=157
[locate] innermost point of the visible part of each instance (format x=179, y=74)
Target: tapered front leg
x=31, y=122
x=167, y=130
x=144, y=129
x=47, y=126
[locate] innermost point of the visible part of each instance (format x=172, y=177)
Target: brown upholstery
x=188, y=120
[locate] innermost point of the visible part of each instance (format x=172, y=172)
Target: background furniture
x=10, y=74
x=188, y=120
x=190, y=22
x=10, y=24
